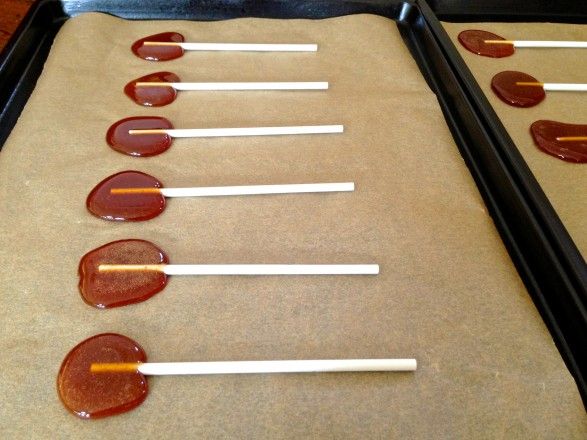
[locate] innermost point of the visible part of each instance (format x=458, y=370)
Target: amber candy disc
x=119, y=138
x=159, y=53
x=104, y=289
x=545, y=134
x=505, y=87
x=126, y=207
x=94, y=395
x=152, y=96
x=474, y=41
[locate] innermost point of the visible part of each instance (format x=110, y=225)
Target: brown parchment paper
x=563, y=183
x=447, y=294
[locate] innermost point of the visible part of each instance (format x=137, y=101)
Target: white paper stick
x=246, y=269
x=250, y=131
x=300, y=85
x=562, y=87
x=248, y=47
x=293, y=366
x=555, y=44
x=213, y=191
x=271, y=269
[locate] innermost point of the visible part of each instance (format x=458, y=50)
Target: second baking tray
x=556, y=284
x=559, y=269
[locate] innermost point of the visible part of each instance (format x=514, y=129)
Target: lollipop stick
x=318, y=85
x=247, y=131
x=565, y=87
x=212, y=191
x=258, y=189
x=545, y=44
x=246, y=269
x=238, y=46
x=560, y=87
x=244, y=367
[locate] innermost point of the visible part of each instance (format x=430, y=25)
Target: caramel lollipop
x=89, y=395
x=136, y=196
x=105, y=374
x=565, y=141
x=160, y=88
x=519, y=89
x=488, y=44
x=170, y=45
x=152, y=135
x=130, y=271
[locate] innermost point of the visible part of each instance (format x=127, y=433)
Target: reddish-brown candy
x=119, y=138
x=546, y=132
x=474, y=41
x=152, y=96
x=505, y=87
x=93, y=395
x=159, y=53
x=126, y=207
x=104, y=289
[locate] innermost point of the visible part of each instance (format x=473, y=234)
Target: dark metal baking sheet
x=564, y=11
x=557, y=265
x=540, y=247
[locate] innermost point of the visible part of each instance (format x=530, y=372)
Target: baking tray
x=557, y=290
x=563, y=11
x=561, y=295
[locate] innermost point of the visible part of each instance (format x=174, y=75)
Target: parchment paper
x=563, y=183
x=447, y=294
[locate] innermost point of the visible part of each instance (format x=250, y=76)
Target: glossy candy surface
x=119, y=138
x=152, y=96
x=94, y=395
x=474, y=41
x=126, y=207
x=505, y=87
x=104, y=289
x=159, y=53
x=545, y=134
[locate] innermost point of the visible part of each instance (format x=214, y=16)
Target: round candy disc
x=94, y=395
x=152, y=96
x=119, y=138
x=545, y=134
x=474, y=41
x=126, y=207
x=159, y=53
x=105, y=289
x=505, y=87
